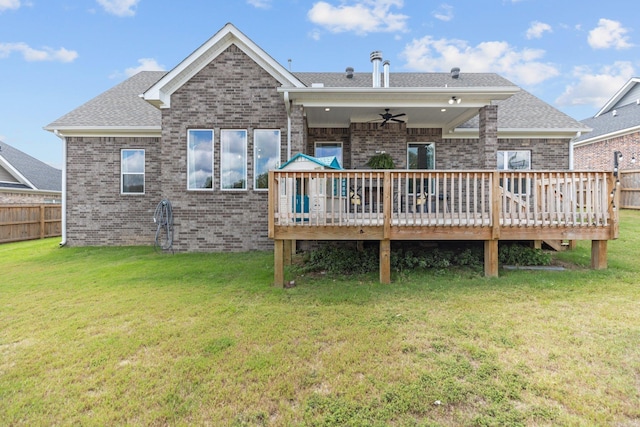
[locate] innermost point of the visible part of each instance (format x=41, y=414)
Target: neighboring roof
x=29, y=172
x=120, y=107
x=160, y=93
x=628, y=94
x=326, y=162
x=625, y=120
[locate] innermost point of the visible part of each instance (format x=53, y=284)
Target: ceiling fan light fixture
x=454, y=100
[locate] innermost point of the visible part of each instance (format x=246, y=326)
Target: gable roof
x=325, y=162
x=619, y=116
x=629, y=93
x=119, y=109
x=160, y=93
x=625, y=120
x=28, y=172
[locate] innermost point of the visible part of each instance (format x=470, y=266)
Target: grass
x=128, y=336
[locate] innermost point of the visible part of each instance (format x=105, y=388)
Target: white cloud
x=35, y=55
x=146, y=64
x=260, y=4
x=119, y=7
x=609, y=34
x=596, y=88
x=444, y=13
x=537, y=29
x=9, y=4
x=362, y=17
x=524, y=66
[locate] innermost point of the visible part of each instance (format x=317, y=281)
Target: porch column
x=488, y=116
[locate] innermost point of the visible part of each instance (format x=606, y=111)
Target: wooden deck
x=442, y=205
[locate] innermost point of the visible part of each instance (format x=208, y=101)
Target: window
x=233, y=159
x=514, y=160
x=329, y=149
x=200, y=159
x=266, y=155
x=132, y=171
x=421, y=156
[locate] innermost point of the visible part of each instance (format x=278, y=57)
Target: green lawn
x=128, y=336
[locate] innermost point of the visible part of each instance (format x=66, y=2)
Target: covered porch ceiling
x=423, y=107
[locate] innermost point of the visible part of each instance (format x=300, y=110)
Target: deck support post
x=278, y=263
x=598, y=254
x=385, y=261
x=491, y=258
x=289, y=250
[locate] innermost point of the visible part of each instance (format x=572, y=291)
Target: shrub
x=517, y=254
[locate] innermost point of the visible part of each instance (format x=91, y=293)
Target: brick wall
x=97, y=214
x=232, y=92
x=11, y=197
x=599, y=155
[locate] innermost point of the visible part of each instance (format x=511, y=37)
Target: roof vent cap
x=455, y=72
x=349, y=72
x=614, y=113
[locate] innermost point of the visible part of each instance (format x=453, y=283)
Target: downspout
x=578, y=134
x=64, y=187
x=287, y=105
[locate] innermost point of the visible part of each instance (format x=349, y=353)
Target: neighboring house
x=205, y=134
x=26, y=180
x=616, y=127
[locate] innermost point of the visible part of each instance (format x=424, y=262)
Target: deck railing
x=442, y=205
x=441, y=198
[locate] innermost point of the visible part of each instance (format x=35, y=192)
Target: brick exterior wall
x=97, y=214
x=216, y=98
x=10, y=197
x=233, y=92
x=599, y=155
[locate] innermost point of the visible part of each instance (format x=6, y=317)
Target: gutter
x=63, y=242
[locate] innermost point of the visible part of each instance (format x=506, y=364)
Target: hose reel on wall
x=163, y=218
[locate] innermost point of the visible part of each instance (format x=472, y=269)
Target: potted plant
x=381, y=160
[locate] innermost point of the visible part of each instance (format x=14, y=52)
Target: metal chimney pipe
x=385, y=67
x=376, y=58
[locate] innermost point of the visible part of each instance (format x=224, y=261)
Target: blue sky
x=57, y=54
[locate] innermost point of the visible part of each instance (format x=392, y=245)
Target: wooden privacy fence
x=28, y=222
x=630, y=189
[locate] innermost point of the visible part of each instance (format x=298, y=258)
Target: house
x=27, y=180
x=207, y=133
x=616, y=127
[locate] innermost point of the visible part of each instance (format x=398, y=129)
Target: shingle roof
x=525, y=111
x=423, y=80
x=119, y=106
x=626, y=117
x=40, y=174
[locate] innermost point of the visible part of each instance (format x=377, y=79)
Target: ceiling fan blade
x=398, y=115
x=397, y=120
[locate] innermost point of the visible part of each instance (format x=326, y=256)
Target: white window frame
x=189, y=159
x=244, y=154
x=505, y=154
x=430, y=184
x=256, y=155
x=123, y=172
x=513, y=187
x=330, y=143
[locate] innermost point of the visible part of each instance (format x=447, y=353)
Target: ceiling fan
x=388, y=116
